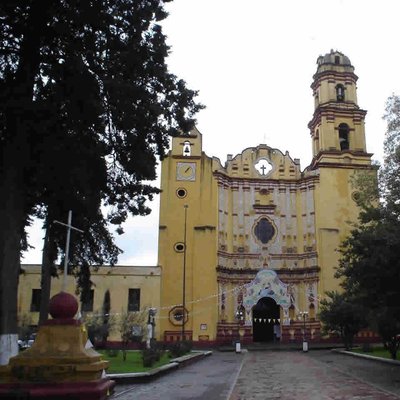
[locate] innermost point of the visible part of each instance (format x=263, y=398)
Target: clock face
x=185, y=171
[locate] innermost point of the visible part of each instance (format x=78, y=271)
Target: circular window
x=177, y=314
x=179, y=247
x=181, y=193
x=356, y=196
x=264, y=230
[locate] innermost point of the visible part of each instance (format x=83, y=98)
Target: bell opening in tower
x=344, y=137
x=340, y=93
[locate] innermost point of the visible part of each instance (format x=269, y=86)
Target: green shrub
x=112, y=352
x=366, y=348
x=178, y=349
x=150, y=356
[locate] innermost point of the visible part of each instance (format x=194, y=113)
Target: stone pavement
x=302, y=376
x=211, y=378
x=264, y=375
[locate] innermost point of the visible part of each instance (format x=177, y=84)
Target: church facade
x=249, y=248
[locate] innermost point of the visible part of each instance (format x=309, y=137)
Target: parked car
x=25, y=344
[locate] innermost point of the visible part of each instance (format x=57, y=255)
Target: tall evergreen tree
x=369, y=263
x=390, y=173
x=87, y=103
x=343, y=316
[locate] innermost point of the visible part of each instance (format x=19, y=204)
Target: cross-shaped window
x=263, y=167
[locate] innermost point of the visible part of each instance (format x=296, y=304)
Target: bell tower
x=337, y=127
x=339, y=153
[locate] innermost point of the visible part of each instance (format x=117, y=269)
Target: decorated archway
x=266, y=284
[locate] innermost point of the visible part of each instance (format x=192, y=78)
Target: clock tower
x=188, y=241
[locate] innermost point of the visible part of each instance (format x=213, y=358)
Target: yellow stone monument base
x=57, y=355
x=58, y=365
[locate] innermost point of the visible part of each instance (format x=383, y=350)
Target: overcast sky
x=253, y=63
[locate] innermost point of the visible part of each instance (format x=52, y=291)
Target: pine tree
x=87, y=103
x=369, y=262
x=390, y=173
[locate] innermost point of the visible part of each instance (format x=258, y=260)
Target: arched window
x=339, y=92
x=311, y=312
x=186, y=148
x=292, y=312
x=344, y=137
x=316, y=98
x=316, y=142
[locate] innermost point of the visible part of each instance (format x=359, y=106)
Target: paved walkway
x=307, y=376
x=264, y=375
x=211, y=378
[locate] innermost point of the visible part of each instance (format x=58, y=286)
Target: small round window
x=177, y=314
x=179, y=247
x=356, y=196
x=181, y=193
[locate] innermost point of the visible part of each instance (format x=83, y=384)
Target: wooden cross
x=69, y=226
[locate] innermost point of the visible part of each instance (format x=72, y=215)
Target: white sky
x=252, y=62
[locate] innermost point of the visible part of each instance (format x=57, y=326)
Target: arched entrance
x=265, y=315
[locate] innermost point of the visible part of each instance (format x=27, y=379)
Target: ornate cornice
x=333, y=111
x=346, y=76
x=246, y=182
x=285, y=274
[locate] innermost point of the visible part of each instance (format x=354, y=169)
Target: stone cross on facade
x=263, y=168
x=69, y=226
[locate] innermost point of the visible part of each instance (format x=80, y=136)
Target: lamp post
x=184, y=273
x=304, y=315
x=151, y=323
x=240, y=318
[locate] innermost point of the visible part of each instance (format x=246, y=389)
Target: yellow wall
x=201, y=240
x=118, y=280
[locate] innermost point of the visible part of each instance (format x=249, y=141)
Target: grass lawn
x=375, y=352
x=133, y=362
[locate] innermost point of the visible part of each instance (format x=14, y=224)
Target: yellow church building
x=251, y=243
x=248, y=247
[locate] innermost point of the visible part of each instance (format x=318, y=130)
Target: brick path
x=296, y=375
x=264, y=375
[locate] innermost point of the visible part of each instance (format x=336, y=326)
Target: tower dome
x=337, y=126
x=334, y=57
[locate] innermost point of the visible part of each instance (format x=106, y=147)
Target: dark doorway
x=264, y=314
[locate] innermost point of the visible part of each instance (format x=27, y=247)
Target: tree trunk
x=15, y=173
x=45, y=279
x=106, y=315
x=12, y=222
x=393, y=347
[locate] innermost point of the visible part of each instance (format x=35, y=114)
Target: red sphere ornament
x=63, y=306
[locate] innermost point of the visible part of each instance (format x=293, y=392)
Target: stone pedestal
x=57, y=365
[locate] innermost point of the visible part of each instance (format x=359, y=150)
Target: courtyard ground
x=262, y=375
